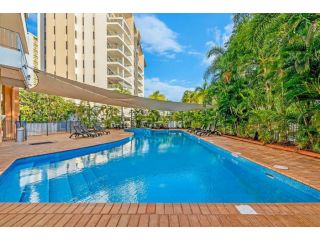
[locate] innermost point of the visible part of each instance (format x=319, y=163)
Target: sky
x=175, y=48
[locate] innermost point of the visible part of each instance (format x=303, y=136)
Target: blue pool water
x=151, y=166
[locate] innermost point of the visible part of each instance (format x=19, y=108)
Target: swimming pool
x=152, y=166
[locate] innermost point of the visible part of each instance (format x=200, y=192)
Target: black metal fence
x=36, y=128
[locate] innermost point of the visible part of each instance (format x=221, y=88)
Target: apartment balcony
x=140, y=90
x=13, y=61
x=140, y=75
x=118, y=64
x=115, y=78
x=118, y=40
x=118, y=26
x=118, y=52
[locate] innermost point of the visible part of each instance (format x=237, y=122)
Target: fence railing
x=36, y=128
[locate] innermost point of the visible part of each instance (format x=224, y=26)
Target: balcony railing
x=9, y=39
x=122, y=22
x=119, y=62
x=13, y=54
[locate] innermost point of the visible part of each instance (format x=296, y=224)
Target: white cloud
x=170, y=89
x=195, y=53
x=157, y=37
x=220, y=37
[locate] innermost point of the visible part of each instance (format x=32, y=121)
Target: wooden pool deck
x=302, y=168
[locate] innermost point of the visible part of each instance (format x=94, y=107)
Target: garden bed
x=277, y=146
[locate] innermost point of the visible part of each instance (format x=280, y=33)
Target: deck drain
x=245, y=209
x=40, y=143
x=280, y=167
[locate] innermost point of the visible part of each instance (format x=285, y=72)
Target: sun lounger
x=102, y=130
x=79, y=132
x=93, y=132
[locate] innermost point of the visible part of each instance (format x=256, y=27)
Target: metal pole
x=47, y=128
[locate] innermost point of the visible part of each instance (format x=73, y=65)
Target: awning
x=59, y=86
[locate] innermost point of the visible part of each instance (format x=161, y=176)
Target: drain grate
x=40, y=143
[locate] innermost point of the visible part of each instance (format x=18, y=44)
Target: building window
x=82, y=77
x=54, y=45
x=75, y=34
x=76, y=62
x=67, y=45
x=54, y=60
x=93, y=35
x=67, y=60
x=82, y=35
x=75, y=19
x=66, y=29
x=94, y=78
x=94, y=49
x=75, y=48
x=93, y=20
x=94, y=63
x=83, y=21
x=54, y=29
x=82, y=49
x=83, y=63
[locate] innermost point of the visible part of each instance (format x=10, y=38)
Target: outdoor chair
x=203, y=131
x=79, y=132
x=92, y=132
x=211, y=131
x=199, y=130
x=102, y=130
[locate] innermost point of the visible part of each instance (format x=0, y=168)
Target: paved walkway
x=10, y=151
x=303, y=168
x=157, y=215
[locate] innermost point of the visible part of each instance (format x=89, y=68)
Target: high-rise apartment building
x=33, y=55
x=103, y=50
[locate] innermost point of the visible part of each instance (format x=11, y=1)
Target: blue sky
x=175, y=46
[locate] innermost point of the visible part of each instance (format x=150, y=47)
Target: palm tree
x=202, y=93
x=158, y=96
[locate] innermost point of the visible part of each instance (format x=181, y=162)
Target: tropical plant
x=264, y=83
x=38, y=107
x=157, y=95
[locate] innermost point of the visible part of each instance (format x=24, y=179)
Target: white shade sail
x=59, y=86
